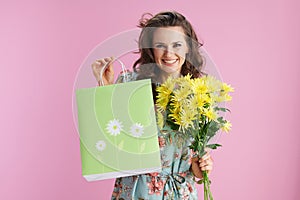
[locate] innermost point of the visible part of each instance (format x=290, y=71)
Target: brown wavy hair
x=145, y=66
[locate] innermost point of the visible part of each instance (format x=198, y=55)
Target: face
x=170, y=49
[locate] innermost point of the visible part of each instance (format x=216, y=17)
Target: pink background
x=43, y=43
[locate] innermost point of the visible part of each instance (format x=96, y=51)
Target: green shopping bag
x=118, y=131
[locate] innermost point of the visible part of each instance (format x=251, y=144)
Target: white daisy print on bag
x=137, y=130
x=100, y=145
x=114, y=127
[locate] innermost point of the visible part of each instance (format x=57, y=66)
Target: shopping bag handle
x=106, y=65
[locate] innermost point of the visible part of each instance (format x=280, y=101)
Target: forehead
x=169, y=34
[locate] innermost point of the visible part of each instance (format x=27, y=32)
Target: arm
x=203, y=164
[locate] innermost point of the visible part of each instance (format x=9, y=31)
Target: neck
x=163, y=76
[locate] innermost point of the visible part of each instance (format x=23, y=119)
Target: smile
x=169, y=61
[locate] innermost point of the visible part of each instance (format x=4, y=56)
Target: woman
x=168, y=48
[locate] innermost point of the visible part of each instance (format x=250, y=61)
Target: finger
x=206, y=165
x=109, y=66
x=108, y=59
x=206, y=168
x=96, y=68
x=203, y=164
x=102, y=62
x=101, y=59
x=207, y=162
x=205, y=157
x=95, y=64
x=207, y=149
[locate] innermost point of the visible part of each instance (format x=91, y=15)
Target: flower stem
x=207, y=192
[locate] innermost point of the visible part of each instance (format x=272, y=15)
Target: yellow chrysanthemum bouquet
x=193, y=107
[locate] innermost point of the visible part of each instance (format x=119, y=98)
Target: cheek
x=182, y=56
x=182, y=53
x=157, y=54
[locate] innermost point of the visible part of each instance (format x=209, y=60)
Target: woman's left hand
x=203, y=164
x=206, y=163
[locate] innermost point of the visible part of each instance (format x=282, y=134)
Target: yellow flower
x=227, y=88
x=160, y=120
x=163, y=96
x=159, y=108
x=199, y=87
x=188, y=98
x=162, y=103
x=213, y=98
x=184, y=81
x=207, y=99
x=196, y=102
x=226, y=126
x=175, y=104
x=169, y=84
x=193, y=102
x=225, y=97
x=181, y=93
x=219, y=98
x=175, y=116
x=228, y=97
x=210, y=114
x=212, y=84
x=187, y=116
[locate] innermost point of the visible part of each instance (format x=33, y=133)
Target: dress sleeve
x=117, y=189
x=126, y=76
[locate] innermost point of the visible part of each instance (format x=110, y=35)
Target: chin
x=170, y=70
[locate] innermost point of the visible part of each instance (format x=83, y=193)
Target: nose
x=168, y=51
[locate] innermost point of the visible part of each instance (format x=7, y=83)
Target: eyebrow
x=171, y=43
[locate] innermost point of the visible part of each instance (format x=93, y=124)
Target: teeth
x=170, y=61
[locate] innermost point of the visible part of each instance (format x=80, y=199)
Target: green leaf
x=213, y=146
x=202, y=153
x=172, y=125
x=200, y=181
x=221, y=120
x=212, y=128
x=222, y=109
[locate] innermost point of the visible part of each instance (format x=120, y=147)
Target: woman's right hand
x=108, y=74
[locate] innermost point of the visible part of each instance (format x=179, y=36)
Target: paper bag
x=118, y=131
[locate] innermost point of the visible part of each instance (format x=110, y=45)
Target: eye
x=177, y=45
x=159, y=46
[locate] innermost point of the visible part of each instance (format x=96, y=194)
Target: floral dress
x=175, y=181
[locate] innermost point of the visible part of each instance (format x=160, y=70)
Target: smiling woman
x=168, y=47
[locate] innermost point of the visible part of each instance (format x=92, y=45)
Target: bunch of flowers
x=193, y=107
